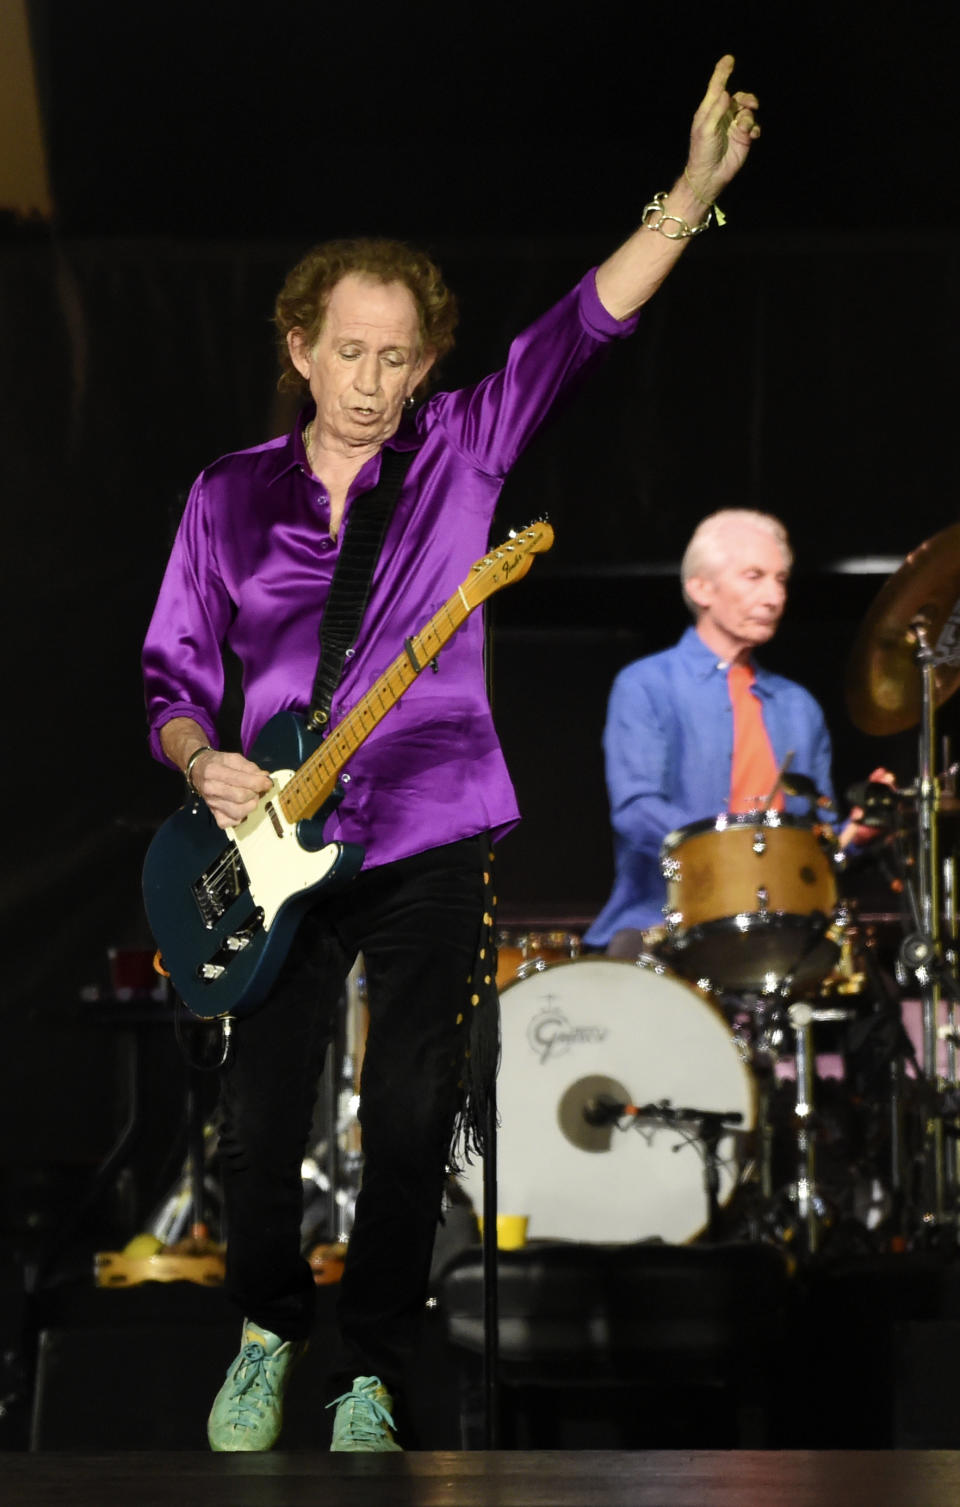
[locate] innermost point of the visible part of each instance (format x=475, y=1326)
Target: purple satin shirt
x=252, y=563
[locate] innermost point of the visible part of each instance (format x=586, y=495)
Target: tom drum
x=750, y=899
x=521, y=948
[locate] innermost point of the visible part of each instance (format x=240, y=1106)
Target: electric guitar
x=224, y=903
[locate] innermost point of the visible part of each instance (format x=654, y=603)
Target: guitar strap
x=350, y=588
x=339, y=625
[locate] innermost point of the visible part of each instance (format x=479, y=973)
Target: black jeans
x=417, y=922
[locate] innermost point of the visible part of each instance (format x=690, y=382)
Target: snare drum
x=595, y=1031
x=749, y=900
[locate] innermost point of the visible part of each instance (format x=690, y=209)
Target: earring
x=409, y=403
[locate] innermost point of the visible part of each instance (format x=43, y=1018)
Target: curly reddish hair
x=302, y=301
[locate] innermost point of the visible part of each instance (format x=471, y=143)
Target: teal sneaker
x=247, y=1412
x=363, y=1422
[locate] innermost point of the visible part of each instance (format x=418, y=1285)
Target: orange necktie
x=754, y=768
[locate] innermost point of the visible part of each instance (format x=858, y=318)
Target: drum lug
x=529, y=967
x=763, y=899
x=759, y=841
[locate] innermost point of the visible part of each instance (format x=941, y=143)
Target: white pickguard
x=277, y=866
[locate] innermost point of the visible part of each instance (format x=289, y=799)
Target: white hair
x=714, y=544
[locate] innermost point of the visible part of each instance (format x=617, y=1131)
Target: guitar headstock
x=509, y=562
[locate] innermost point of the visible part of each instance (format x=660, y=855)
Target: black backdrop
x=801, y=360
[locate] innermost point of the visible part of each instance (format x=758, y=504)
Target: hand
x=230, y=784
x=720, y=137
x=854, y=831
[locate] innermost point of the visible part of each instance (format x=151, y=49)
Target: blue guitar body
x=224, y=905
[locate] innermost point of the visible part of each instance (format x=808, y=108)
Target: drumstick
x=787, y=761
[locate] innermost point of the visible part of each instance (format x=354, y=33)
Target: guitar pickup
x=237, y=941
x=220, y=885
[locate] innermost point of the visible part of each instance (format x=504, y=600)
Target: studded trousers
x=417, y=922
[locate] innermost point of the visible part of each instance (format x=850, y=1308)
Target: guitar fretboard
x=314, y=781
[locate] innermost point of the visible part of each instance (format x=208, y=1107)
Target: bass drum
x=579, y=1036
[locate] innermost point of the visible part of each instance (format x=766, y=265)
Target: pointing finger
x=717, y=84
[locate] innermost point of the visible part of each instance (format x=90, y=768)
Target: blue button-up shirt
x=668, y=744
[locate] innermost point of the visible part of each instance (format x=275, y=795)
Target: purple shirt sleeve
x=493, y=422
x=182, y=663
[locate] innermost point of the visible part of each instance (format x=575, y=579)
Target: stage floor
x=561, y=1478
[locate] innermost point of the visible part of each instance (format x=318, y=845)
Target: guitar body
x=224, y=905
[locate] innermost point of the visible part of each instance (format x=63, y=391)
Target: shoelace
x=366, y=1428
x=250, y=1373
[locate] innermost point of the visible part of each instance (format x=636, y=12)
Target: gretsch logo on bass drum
x=550, y=1034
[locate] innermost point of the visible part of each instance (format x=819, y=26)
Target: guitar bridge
x=220, y=885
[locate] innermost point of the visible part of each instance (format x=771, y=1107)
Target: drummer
x=702, y=728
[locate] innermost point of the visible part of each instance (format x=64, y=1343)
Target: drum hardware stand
x=810, y=1207
x=347, y=1124
x=920, y=953
x=762, y=1037
x=712, y=1127
x=335, y=1168
x=951, y=1032
x=929, y=907
x=914, y=626
x=888, y=999
x=151, y=1256
x=800, y=1016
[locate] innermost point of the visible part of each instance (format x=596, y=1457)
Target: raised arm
x=723, y=129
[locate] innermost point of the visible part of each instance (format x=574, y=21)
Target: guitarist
x=360, y=326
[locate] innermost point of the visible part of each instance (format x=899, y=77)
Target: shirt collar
x=702, y=662
x=293, y=454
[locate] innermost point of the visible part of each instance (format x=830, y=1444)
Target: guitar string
x=231, y=856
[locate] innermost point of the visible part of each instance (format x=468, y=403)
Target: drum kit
x=750, y=1075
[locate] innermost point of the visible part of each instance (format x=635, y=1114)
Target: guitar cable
x=225, y=1022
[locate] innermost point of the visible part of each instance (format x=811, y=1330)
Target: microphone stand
x=711, y=1125
x=711, y=1129
x=491, y=1274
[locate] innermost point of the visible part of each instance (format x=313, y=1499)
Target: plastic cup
x=511, y=1230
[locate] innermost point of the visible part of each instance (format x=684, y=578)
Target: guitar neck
x=315, y=780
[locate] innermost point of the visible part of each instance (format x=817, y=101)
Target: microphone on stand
x=602, y=1110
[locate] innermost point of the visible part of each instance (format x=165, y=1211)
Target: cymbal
x=884, y=682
